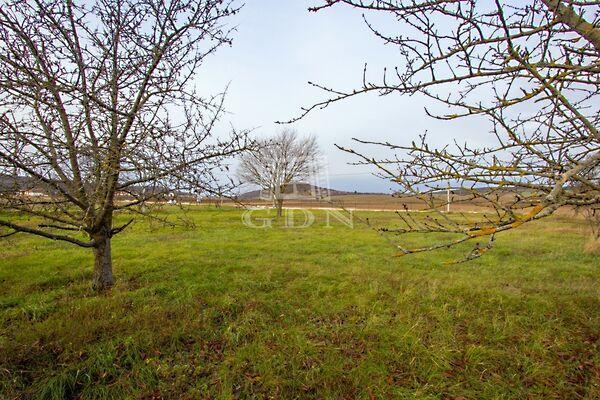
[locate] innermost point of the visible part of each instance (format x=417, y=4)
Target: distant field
x=225, y=311
x=373, y=202
x=363, y=201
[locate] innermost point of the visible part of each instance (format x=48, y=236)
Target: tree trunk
x=278, y=199
x=103, y=276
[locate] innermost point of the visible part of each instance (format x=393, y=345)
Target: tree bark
x=103, y=276
x=279, y=206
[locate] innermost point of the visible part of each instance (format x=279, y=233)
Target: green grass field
x=224, y=311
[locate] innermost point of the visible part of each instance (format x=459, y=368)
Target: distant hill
x=304, y=190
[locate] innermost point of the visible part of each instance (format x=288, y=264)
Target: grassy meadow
x=224, y=311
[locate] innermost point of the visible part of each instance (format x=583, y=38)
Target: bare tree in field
x=279, y=161
x=531, y=68
x=99, y=114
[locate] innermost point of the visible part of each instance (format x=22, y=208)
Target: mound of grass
x=226, y=311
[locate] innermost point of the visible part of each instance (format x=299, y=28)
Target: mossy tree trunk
x=103, y=275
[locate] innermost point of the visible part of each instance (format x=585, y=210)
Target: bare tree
x=99, y=112
x=277, y=162
x=530, y=68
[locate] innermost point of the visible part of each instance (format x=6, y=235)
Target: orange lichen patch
x=484, y=231
x=516, y=224
x=501, y=168
x=519, y=220
x=535, y=211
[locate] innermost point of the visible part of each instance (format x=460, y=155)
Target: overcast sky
x=279, y=46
